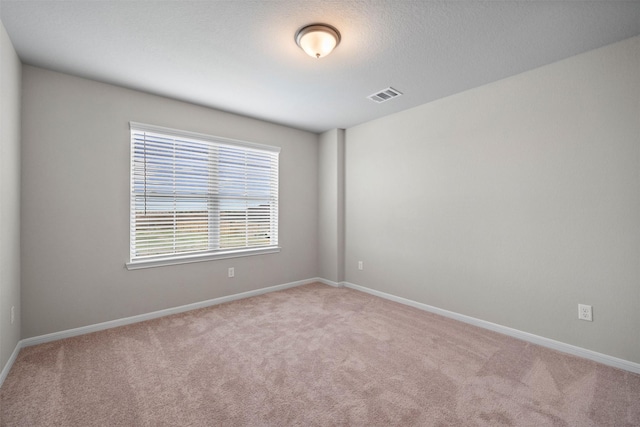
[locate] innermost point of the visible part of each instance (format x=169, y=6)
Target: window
x=197, y=197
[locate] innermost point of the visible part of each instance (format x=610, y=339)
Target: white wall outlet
x=360, y=265
x=13, y=314
x=585, y=313
x=232, y=272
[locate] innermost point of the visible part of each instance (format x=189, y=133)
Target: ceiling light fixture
x=317, y=40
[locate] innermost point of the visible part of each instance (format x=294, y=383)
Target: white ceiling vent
x=384, y=95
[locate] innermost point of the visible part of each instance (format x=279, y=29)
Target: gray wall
x=75, y=205
x=331, y=205
x=512, y=202
x=9, y=196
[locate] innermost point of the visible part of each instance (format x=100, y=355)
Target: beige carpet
x=310, y=356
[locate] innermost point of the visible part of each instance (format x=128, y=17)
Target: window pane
x=200, y=195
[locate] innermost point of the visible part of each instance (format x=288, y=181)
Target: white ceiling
x=240, y=56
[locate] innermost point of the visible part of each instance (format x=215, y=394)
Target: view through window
x=194, y=194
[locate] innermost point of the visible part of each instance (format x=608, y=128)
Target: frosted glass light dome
x=318, y=40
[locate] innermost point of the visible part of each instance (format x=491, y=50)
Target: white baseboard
x=525, y=336
x=41, y=339
x=155, y=314
x=141, y=318
x=329, y=282
x=9, y=364
x=535, y=339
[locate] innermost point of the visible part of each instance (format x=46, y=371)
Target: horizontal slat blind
x=193, y=194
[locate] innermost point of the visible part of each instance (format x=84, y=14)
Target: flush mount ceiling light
x=317, y=40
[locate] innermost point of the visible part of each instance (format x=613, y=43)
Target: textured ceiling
x=240, y=56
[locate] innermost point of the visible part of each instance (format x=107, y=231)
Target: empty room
x=319, y=213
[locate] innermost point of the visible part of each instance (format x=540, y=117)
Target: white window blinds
x=194, y=195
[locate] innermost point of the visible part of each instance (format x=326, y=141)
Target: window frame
x=210, y=254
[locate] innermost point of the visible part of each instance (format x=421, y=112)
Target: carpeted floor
x=310, y=356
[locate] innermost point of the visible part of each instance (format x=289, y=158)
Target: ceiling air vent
x=384, y=95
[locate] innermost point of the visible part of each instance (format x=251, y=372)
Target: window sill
x=187, y=259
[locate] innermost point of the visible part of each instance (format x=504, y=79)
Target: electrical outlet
x=232, y=272
x=13, y=314
x=360, y=265
x=585, y=313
